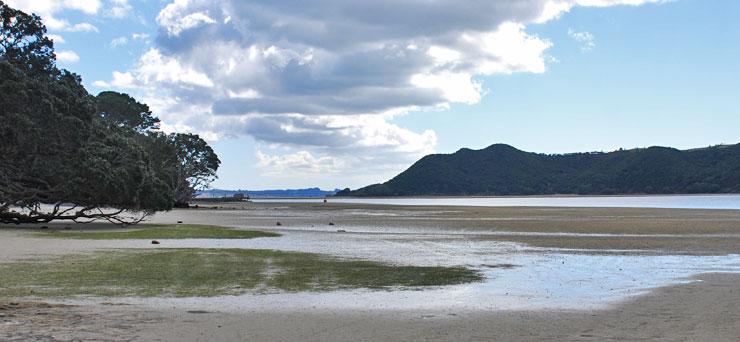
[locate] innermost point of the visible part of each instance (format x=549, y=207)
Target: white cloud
x=244, y=94
x=116, y=42
x=155, y=68
x=318, y=146
x=300, y=163
x=607, y=3
x=119, y=8
x=140, y=36
x=82, y=27
x=321, y=84
x=87, y=6
x=171, y=19
x=123, y=80
x=48, y=9
x=101, y=84
x=587, y=40
x=51, y=6
x=553, y=9
x=67, y=56
x=120, y=80
x=57, y=39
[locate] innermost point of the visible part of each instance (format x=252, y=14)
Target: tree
x=65, y=154
x=189, y=159
x=196, y=166
x=123, y=110
x=58, y=158
x=24, y=43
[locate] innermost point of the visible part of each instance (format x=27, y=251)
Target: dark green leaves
x=123, y=110
x=22, y=41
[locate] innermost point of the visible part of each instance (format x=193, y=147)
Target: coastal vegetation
x=68, y=155
x=209, y=272
x=504, y=170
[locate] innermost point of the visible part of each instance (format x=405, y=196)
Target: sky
x=335, y=93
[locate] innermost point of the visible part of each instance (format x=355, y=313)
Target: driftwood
x=64, y=211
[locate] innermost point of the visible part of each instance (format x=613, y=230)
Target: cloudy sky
x=337, y=93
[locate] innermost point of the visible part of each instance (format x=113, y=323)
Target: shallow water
x=664, y=201
x=542, y=278
x=539, y=279
x=539, y=282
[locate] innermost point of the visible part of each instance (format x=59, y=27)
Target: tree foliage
x=196, y=166
x=123, y=110
x=188, y=158
x=24, y=43
x=65, y=154
x=58, y=160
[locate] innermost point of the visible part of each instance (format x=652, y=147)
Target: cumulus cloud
x=119, y=8
x=174, y=21
x=120, y=80
x=52, y=6
x=48, y=10
x=326, y=145
x=586, y=39
x=67, y=56
x=57, y=39
x=553, y=9
x=322, y=83
x=82, y=27
x=297, y=164
x=116, y=42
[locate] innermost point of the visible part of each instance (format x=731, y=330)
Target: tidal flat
x=199, y=272
x=557, y=273
x=157, y=231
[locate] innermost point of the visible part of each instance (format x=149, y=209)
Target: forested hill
x=504, y=170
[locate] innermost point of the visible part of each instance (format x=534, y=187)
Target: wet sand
x=675, y=231
x=685, y=312
x=702, y=310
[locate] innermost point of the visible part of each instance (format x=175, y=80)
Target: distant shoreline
x=526, y=196
x=480, y=196
x=674, y=201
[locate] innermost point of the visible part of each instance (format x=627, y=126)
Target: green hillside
x=504, y=170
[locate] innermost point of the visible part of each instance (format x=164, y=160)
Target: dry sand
x=705, y=310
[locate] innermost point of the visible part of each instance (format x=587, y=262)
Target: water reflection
x=540, y=279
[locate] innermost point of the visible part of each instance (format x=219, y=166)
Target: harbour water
x=730, y=201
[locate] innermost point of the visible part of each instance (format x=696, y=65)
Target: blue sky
x=658, y=75
x=352, y=97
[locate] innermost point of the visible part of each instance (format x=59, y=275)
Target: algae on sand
x=209, y=272
x=179, y=231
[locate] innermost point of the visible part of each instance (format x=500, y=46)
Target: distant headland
x=502, y=170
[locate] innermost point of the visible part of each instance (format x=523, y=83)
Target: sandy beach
x=675, y=277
